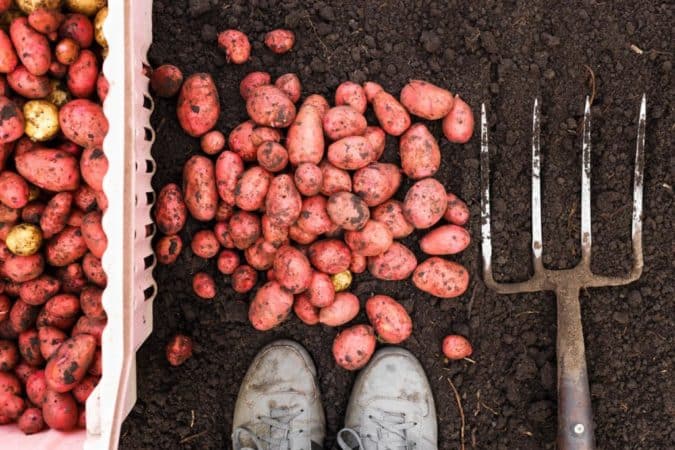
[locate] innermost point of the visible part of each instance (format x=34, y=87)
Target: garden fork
x=575, y=422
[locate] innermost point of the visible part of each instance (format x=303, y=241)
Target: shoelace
x=390, y=433
x=281, y=431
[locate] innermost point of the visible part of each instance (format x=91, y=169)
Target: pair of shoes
x=279, y=404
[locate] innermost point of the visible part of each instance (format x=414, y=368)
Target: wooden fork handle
x=575, y=416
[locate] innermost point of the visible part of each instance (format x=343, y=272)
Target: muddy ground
x=503, y=53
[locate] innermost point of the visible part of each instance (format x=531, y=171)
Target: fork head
x=581, y=275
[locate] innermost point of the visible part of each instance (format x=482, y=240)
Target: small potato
x=66, y=247
x=420, y=154
x=79, y=28
x=36, y=292
x=31, y=421
x=228, y=261
x=24, y=239
x=334, y=180
x=178, y=350
x=72, y=278
x=168, y=249
x=289, y=84
x=83, y=74
x=371, y=89
x=292, y=269
x=28, y=85
x=99, y=21
x=283, y=203
x=348, y=210
x=351, y=153
x=244, y=279
x=270, y=306
x=83, y=390
x=441, y=278
x=236, y=46
x=14, y=190
x=9, y=384
x=303, y=308
x=22, y=316
x=204, y=244
x=55, y=215
x=8, y=215
x=45, y=20
x=64, y=306
x=252, y=81
x=11, y=408
x=240, y=141
x=457, y=213
x=389, y=318
x=456, y=347
x=212, y=142
x=90, y=303
x=321, y=292
x=88, y=326
x=53, y=170
x=300, y=236
x=67, y=51
x=12, y=124
x=23, y=268
x=393, y=117
x=86, y=7
x=198, y=104
x=199, y=188
x=330, y=256
x=93, y=270
x=8, y=58
x=351, y=94
x=271, y=107
x=426, y=100
x=354, y=346
x=358, y=263
x=29, y=347
x=260, y=255
x=377, y=139
x=376, y=183
x=397, y=263
x=244, y=228
x=272, y=156
x=59, y=411
x=83, y=122
x=305, y=140
x=391, y=214
x=58, y=96
x=343, y=309
x=313, y=216
x=9, y=355
x=224, y=212
x=204, y=286
x=458, y=124
x=170, y=209
x=51, y=339
x=221, y=229
x=280, y=41
x=93, y=234
x=425, y=203
x=166, y=80
x=69, y=364
x=36, y=387
x=372, y=240
x=259, y=135
x=308, y=179
x=341, y=281
x=445, y=240
x=275, y=235
x=343, y=121
x=229, y=167
x=31, y=47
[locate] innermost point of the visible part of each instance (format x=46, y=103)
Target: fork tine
x=536, y=190
x=586, y=188
x=638, y=184
x=486, y=237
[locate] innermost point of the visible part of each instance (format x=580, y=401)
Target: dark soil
x=503, y=53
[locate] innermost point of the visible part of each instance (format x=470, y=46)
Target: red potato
x=289, y=84
x=45, y=20
x=420, y=154
x=63, y=306
x=51, y=339
x=91, y=304
x=101, y=201
x=29, y=348
x=212, y=142
x=199, y=188
x=28, y=85
x=9, y=355
x=292, y=270
x=96, y=366
x=236, y=46
x=270, y=306
x=79, y=28
x=458, y=124
x=59, y=411
x=351, y=153
x=5, y=228
x=6, y=331
x=252, y=81
x=83, y=122
x=67, y=51
x=36, y=387
x=228, y=261
x=178, y=350
x=308, y=179
x=275, y=235
x=8, y=215
x=283, y=202
x=93, y=234
x=358, y=263
x=204, y=286
x=23, y=268
x=244, y=228
x=351, y=94
x=88, y=326
x=5, y=307
x=371, y=89
x=330, y=256
x=456, y=347
x=204, y=244
x=66, y=247
x=221, y=229
x=11, y=408
x=9, y=384
x=348, y=210
x=22, y=316
x=31, y=47
x=166, y=80
x=334, y=180
x=270, y=106
x=305, y=140
x=441, y=278
x=260, y=255
x=318, y=102
x=240, y=141
x=272, y=156
x=445, y=240
x=72, y=278
x=36, y=292
x=53, y=170
x=306, y=312
x=259, y=135
x=425, y=203
x=343, y=121
x=12, y=121
x=83, y=74
x=389, y=318
x=426, y=100
x=198, y=104
x=168, y=249
x=8, y=57
x=377, y=139
x=55, y=215
x=224, y=212
x=244, y=279
x=321, y=292
x=391, y=214
x=13, y=190
x=83, y=390
x=170, y=210
x=393, y=117
x=84, y=198
x=457, y=213
x=93, y=270
x=354, y=346
x=280, y=41
x=372, y=240
x=314, y=218
x=31, y=421
x=69, y=364
x=300, y=236
x=229, y=168
x=58, y=70
x=397, y=263
x=376, y=183
x=343, y=309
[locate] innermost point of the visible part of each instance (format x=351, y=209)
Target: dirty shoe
x=279, y=406
x=391, y=407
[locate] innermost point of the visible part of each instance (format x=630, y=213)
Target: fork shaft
x=575, y=420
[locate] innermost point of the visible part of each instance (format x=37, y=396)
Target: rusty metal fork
x=575, y=421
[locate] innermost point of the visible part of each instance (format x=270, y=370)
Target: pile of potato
x=51, y=202
x=298, y=194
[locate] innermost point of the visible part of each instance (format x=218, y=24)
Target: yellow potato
x=341, y=281
x=99, y=20
x=33, y=193
x=86, y=7
x=24, y=239
x=28, y=6
x=58, y=96
x=42, y=120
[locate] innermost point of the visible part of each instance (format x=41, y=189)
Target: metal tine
x=537, y=241
x=586, y=189
x=486, y=236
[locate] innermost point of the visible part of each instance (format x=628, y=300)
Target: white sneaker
x=391, y=406
x=279, y=405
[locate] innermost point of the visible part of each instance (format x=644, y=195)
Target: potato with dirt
x=13, y=190
x=275, y=235
x=41, y=120
x=236, y=46
x=397, y=263
x=308, y=179
x=240, y=141
x=23, y=268
x=300, y=236
x=425, y=203
x=283, y=202
x=178, y=350
x=170, y=209
x=270, y=306
x=31, y=421
x=83, y=122
x=166, y=80
x=330, y=256
x=377, y=139
x=280, y=40
x=441, y=278
x=371, y=89
x=289, y=83
x=229, y=168
x=36, y=292
x=9, y=355
x=66, y=247
x=303, y=308
x=83, y=75
x=67, y=51
x=456, y=347
x=371, y=240
x=391, y=321
x=8, y=58
x=445, y=240
x=392, y=116
x=244, y=228
x=93, y=234
x=252, y=81
x=11, y=408
x=11, y=122
x=351, y=94
x=391, y=214
x=199, y=188
x=458, y=124
x=419, y=151
x=22, y=316
x=272, y=156
x=204, y=286
x=271, y=107
x=50, y=169
x=426, y=100
x=343, y=121
x=198, y=104
x=354, y=346
x=168, y=249
x=244, y=279
x=212, y=142
x=348, y=210
x=69, y=364
x=351, y=153
x=28, y=85
x=292, y=269
x=29, y=347
x=59, y=410
x=305, y=140
x=313, y=216
x=457, y=213
x=376, y=183
x=93, y=270
x=204, y=244
x=251, y=189
x=343, y=309
x=31, y=46
x=91, y=302
x=260, y=255
x=334, y=180
x=321, y=292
